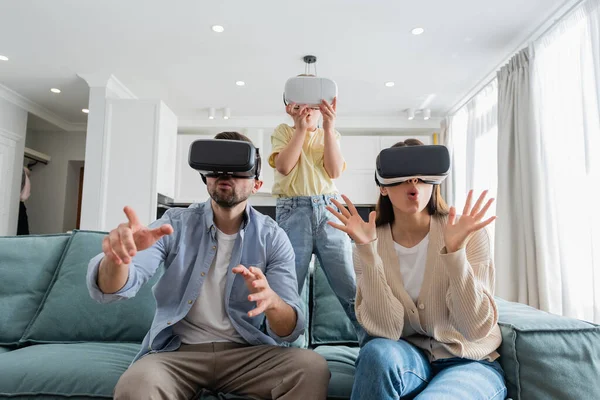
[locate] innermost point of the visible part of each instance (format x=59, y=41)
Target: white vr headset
x=429, y=164
x=309, y=90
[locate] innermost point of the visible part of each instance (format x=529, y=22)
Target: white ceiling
x=167, y=50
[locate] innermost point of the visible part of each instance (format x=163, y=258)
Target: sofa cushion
x=80, y=370
x=27, y=265
x=70, y=315
x=4, y=350
x=329, y=325
x=341, y=361
x=545, y=356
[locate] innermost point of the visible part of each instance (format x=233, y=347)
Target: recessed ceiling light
x=85, y=110
x=55, y=90
x=218, y=28
x=3, y=58
x=389, y=84
x=240, y=83
x=417, y=31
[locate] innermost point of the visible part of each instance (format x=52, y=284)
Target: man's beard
x=229, y=199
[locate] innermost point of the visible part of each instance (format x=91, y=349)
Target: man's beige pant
x=261, y=372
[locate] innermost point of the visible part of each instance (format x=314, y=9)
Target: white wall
x=46, y=206
x=13, y=128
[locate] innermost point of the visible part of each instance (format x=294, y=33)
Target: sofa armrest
x=546, y=356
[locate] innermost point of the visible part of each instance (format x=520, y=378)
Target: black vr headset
x=430, y=164
x=218, y=157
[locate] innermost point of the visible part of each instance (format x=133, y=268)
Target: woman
x=307, y=159
x=425, y=282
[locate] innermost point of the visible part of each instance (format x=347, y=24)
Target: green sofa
x=56, y=342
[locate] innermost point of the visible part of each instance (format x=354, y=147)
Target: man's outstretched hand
x=128, y=238
x=260, y=291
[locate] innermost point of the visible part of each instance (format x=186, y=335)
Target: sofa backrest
x=27, y=266
x=60, y=309
x=329, y=323
x=45, y=297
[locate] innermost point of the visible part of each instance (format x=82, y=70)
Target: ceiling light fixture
x=3, y=58
x=410, y=113
x=426, y=114
x=55, y=90
x=389, y=84
x=218, y=28
x=417, y=31
x=240, y=83
x=226, y=113
x=85, y=111
x=211, y=113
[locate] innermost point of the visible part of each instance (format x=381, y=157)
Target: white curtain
x=566, y=93
x=474, y=131
x=522, y=250
x=548, y=238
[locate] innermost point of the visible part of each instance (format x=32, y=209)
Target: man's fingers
x=246, y=274
x=258, y=310
x=334, y=104
x=240, y=269
x=126, y=237
x=259, y=296
x=131, y=216
x=257, y=272
x=161, y=231
x=337, y=214
x=108, y=251
x=117, y=247
x=260, y=284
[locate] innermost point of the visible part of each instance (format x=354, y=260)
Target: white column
x=102, y=87
x=140, y=132
x=13, y=126
x=130, y=155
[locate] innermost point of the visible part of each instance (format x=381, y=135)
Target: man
x=228, y=270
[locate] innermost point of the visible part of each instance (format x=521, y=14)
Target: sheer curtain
x=565, y=85
x=474, y=133
x=524, y=248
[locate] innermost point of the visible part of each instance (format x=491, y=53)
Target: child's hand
x=329, y=114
